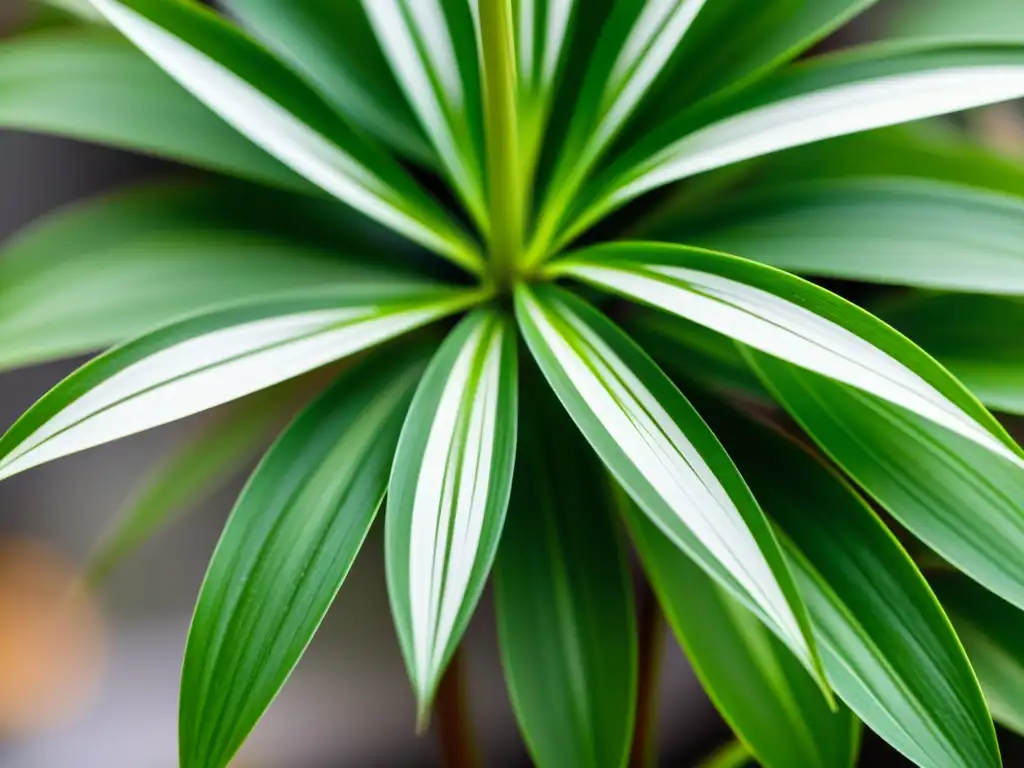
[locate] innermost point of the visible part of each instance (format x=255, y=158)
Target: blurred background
x=91, y=680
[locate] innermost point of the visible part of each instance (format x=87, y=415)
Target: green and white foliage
x=457, y=172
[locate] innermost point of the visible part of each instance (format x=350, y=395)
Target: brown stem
x=453, y=722
x=651, y=639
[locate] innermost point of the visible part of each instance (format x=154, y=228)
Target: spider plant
x=506, y=211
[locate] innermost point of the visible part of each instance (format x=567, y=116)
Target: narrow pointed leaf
x=209, y=360
x=332, y=44
x=449, y=493
x=91, y=84
x=761, y=690
x=564, y=600
x=285, y=552
x=926, y=234
x=663, y=454
x=432, y=48
x=276, y=109
x=805, y=103
x=193, y=472
x=795, y=321
x=976, y=337
x=964, y=502
x=889, y=651
x=111, y=269
x=991, y=631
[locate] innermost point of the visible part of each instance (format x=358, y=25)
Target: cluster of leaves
x=511, y=139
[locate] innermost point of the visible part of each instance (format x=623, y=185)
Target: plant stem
x=651, y=626
x=454, y=724
x=507, y=195
x=733, y=755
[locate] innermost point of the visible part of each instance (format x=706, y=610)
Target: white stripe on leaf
x=781, y=328
x=823, y=114
x=451, y=498
x=271, y=127
x=648, y=48
x=418, y=44
x=206, y=371
x=660, y=451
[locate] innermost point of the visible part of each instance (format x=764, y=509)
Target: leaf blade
x=889, y=650
x=888, y=230
x=449, y=493
x=793, y=320
x=285, y=552
x=663, y=454
x=755, y=682
x=965, y=503
x=803, y=104
x=92, y=85
x=206, y=361
x=266, y=102
x=98, y=273
x=564, y=601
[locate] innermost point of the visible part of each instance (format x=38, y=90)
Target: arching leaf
x=919, y=233
x=91, y=84
x=960, y=499
x=111, y=269
x=795, y=321
x=663, y=454
x=276, y=109
x=805, y=103
x=889, y=651
x=209, y=360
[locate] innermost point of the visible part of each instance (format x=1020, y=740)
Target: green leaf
x=891, y=230
x=761, y=690
x=432, y=48
x=102, y=272
x=449, y=493
x=963, y=501
x=332, y=45
x=209, y=360
x=564, y=601
x=276, y=109
x=991, y=631
x=91, y=84
x=928, y=151
x=694, y=352
x=195, y=470
x=801, y=104
x=80, y=9
x=543, y=33
x=285, y=552
x=636, y=43
x=976, y=337
x=734, y=44
x=889, y=651
x=663, y=454
x=795, y=321
x=938, y=23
